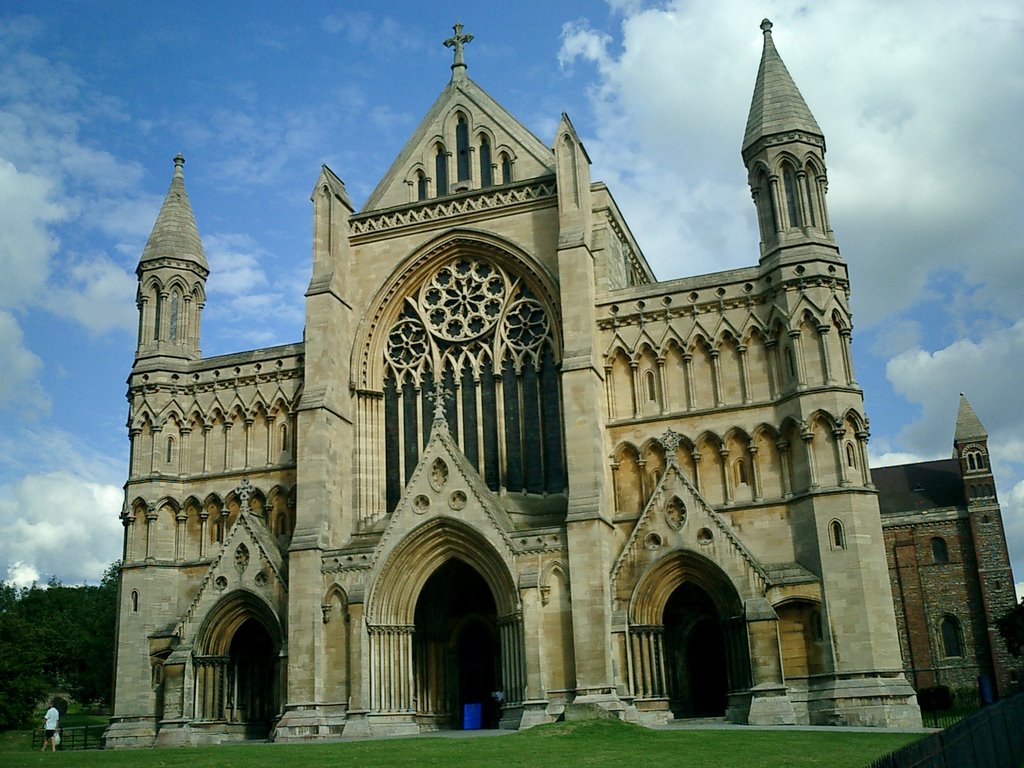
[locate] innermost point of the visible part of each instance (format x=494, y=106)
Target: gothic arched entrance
x=456, y=648
x=688, y=639
x=237, y=669
x=695, y=655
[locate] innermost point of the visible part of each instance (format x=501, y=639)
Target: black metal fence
x=78, y=737
x=941, y=708
x=990, y=738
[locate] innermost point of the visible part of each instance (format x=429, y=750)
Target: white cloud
x=27, y=209
x=60, y=524
x=98, y=294
x=22, y=575
x=918, y=142
x=19, y=385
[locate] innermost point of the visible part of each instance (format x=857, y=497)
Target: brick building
x=948, y=563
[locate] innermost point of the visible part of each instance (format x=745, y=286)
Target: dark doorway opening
x=252, y=692
x=456, y=650
x=695, y=654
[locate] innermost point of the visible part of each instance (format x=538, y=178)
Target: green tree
x=56, y=637
x=1011, y=627
x=22, y=683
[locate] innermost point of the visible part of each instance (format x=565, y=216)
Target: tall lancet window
x=486, y=177
x=441, y=170
x=172, y=321
x=484, y=334
x=462, y=148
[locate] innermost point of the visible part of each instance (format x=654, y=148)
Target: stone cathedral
x=507, y=471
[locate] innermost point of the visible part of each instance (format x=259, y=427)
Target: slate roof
x=917, y=487
x=968, y=426
x=776, y=106
x=175, y=234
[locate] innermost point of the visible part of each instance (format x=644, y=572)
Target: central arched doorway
x=456, y=649
x=251, y=674
x=695, y=654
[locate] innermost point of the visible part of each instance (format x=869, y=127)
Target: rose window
x=463, y=299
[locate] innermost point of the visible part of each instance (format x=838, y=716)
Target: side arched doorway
x=456, y=649
x=237, y=668
x=688, y=639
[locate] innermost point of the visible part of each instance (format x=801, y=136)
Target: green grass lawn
x=593, y=743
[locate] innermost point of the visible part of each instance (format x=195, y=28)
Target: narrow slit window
x=486, y=177
x=462, y=148
x=421, y=186
x=837, y=535
x=441, y=171
x=789, y=181
x=506, y=169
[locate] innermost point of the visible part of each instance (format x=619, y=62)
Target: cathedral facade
x=507, y=472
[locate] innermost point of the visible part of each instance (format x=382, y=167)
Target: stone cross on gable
x=670, y=441
x=244, y=492
x=438, y=398
x=457, y=41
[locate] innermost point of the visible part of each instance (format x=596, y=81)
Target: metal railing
x=990, y=738
x=76, y=737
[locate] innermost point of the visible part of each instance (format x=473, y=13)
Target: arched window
x=808, y=180
x=462, y=149
x=135, y=601
x=506, y=169
x=972, y=461
x=650, y=386
x=741, y=472
x=486, y=177
x=851, y=460
x=284, y=438
x=837, y=535
x=789, y=182
x=952, y=637
x=172, y=332
x=940, y=552
x=421, y=186
x=441, y=171
x=157, y=314
x=169, y=455
x=791, y=363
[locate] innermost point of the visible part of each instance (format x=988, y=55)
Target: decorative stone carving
x=438, y=474
x=420, y=504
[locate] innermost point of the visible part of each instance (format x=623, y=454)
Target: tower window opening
x=441, y=171
x=157, y=307
x=421, y=186
x=172, y=332
x=851, y=460
x=486, y=176
x=506, y=169
x=810, y=198
x=837, y=535
x=940, y=552
x=462, y=149
x=284, y=438
x=741, y=472
x=789, y=181
x=169, y=454
x=952, y=639
x=650, y=386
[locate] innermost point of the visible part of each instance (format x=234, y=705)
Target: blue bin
x=472, y=717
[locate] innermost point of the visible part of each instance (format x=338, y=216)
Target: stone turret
x=784, y=151
x=172, y=274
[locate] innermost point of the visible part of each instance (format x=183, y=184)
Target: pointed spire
x=776, y=106
x=175, y=234
x=968, y=425
x=457, y=41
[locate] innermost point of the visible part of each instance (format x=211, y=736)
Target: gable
x=485, y=123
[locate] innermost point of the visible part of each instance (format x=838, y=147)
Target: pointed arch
x=392, y=598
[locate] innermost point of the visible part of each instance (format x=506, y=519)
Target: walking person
x=52, y=717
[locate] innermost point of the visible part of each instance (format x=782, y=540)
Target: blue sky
x=921, y=104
